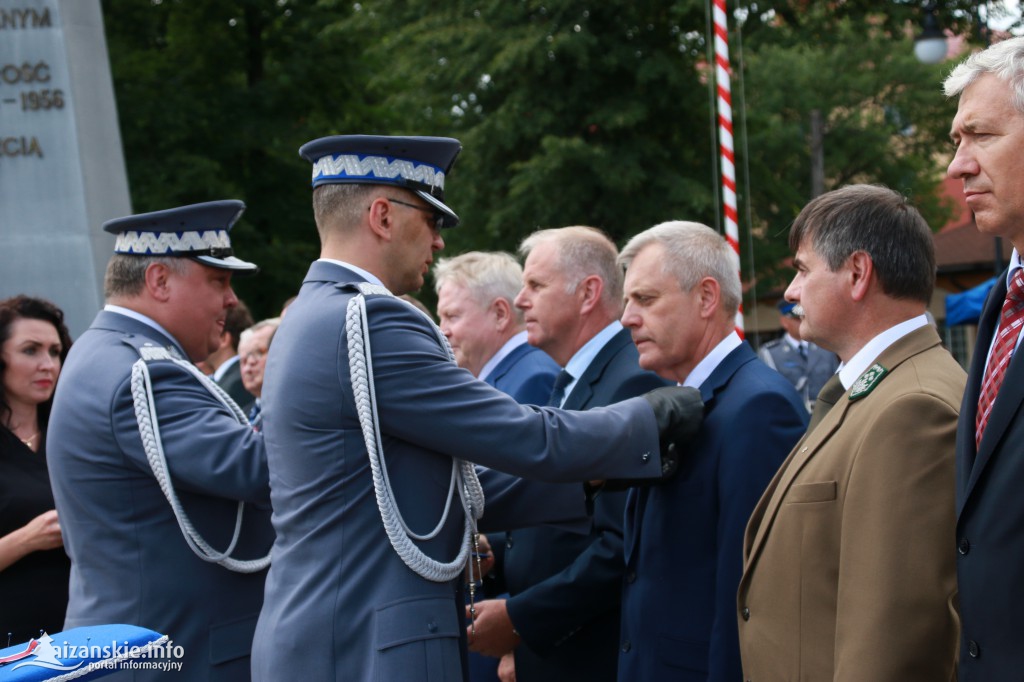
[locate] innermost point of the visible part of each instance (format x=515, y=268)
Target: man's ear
x=590, y=289
x=381, y=218
x=157, y=281
x=861, y=273
x=710, y=293
x=504, y=315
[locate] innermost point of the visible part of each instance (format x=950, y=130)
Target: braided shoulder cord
x=464, y=478
x=149, y=430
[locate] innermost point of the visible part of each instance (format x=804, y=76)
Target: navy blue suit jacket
x=527, y=374
x=340, y=604
x=564, y=585
x=684, y=538
x=990, y=516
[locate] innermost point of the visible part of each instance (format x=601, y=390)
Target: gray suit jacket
x=130, y=563
x=340, y=603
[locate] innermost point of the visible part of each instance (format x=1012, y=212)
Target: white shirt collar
x=850, y=371
x=510, y=345
x=368, y=276
x=712, y=360
x=1015, y=264
x=581, y=360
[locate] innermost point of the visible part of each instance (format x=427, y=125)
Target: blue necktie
x=558, y=390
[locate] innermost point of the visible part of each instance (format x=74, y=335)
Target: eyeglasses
x=436, y=215
x=254, y=355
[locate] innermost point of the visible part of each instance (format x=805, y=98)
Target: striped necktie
x=1010, y=320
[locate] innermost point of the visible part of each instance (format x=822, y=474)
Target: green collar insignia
x=867, y=381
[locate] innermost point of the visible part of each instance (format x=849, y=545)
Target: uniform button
x=965, y=546
x=508, y=543
x=745, y=612
x=973, y=649
x=431, y=626
x=646, y=457
x=631, y=577
x=626, y=646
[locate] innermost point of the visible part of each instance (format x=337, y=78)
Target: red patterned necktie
x=1010, y=320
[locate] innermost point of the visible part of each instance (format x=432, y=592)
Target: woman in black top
x=34, y=569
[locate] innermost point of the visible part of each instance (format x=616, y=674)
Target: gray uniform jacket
x=340, y=603
x=807, y=374
x=130, y=563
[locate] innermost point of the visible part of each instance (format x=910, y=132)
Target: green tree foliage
x=216, y=96
x=886, y=120
x=569, y=111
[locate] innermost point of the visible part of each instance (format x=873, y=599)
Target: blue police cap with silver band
x=419, y=164
x=197, y=231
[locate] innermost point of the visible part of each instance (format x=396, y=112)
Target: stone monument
x=62, y=171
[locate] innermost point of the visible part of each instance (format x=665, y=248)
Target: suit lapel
x=583, y=391
x=636, y=504
x=506, y=364
x=1007, y=404
x=913, y=343
x=766, y=510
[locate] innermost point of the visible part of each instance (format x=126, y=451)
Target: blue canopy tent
x=965, y=307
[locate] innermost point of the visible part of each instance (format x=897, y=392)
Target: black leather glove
x=679, y=412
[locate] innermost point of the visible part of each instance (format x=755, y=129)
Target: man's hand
x=494, y=635
x=507, y=668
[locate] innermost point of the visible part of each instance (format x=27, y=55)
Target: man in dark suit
x=371, y=429
x=563, y=616
x=252, y=349
x=988, y=132
x=134, y=424
x=475, y=291
x=684, y=539
x=225, y=361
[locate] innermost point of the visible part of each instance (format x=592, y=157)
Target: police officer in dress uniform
x=141, y=445
x=804, y=364
x=371, y=427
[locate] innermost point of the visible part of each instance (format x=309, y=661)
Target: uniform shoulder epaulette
x=364, y=288
x=867, y=381
x=150, y=351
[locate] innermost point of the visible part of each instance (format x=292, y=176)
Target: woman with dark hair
x=34, y=569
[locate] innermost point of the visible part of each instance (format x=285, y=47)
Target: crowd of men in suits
x=668, y=511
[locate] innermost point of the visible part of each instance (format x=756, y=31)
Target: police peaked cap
x=197, y=231
x=419, y=164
